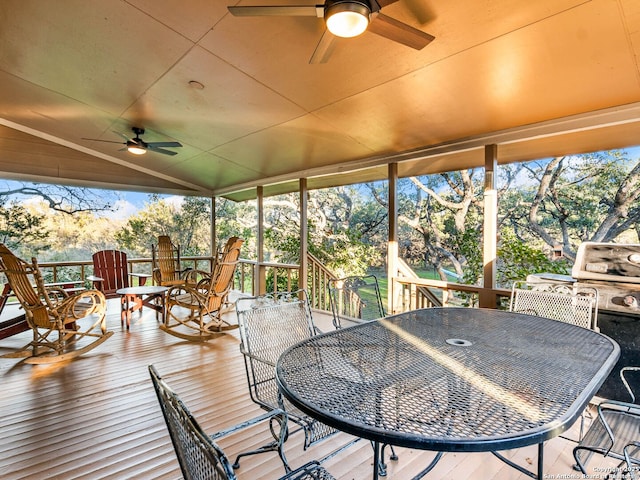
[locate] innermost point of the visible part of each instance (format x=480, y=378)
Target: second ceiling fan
x=344, y=18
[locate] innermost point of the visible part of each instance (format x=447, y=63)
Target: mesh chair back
x=199, y=457
x=268, y=326
x=557, y=301
x=355, y=299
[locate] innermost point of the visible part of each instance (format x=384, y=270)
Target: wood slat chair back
x=269, y=325
x=166, y=263
x=355, y=299
x=64, y=326
x=195, y=312
x=112, y=268
x=222, y=274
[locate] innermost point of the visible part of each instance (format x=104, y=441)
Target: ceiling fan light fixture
x=136, y=150
x=347, y=18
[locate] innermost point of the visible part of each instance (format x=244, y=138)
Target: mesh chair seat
x=614, y=432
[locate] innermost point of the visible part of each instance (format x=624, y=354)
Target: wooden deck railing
x=317, y=283
x=411, y=292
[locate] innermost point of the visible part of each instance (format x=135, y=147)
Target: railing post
x=261, y=275
x=304, y=247
x=392, y=242
x=490, y=231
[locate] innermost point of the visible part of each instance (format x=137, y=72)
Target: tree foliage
x=544, y=206
x=187, y=223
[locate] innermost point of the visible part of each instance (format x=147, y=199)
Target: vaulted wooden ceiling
x=537, y=78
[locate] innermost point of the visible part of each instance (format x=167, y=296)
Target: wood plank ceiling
x=537, y=78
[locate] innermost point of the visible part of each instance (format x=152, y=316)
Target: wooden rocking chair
x=64, y=326
x=200, y=307
x=166, y=265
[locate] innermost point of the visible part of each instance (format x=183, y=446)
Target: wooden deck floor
x=97, y=417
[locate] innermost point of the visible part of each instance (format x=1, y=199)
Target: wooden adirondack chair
x=111, y=272
x=64, y=326
x=199, y=308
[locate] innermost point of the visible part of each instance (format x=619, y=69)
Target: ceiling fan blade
x=324, y=49
x=161, y=150
x=278, y=10
x=399, y=32
x=98, y=140
x=155, y=145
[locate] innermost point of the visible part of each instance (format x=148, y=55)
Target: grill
x=614, y=270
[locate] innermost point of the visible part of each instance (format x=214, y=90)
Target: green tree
x=565, y=201
x=187, y=223
x=20, y=228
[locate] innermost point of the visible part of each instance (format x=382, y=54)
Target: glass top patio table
x=450, y=379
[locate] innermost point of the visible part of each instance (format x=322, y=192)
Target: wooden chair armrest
x=142, y=277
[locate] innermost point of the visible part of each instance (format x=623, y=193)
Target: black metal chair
x=355, y=299
x=268, y=326
x=200, y=458
x=615, y=432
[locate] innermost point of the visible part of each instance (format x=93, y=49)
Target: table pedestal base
x=135, y=298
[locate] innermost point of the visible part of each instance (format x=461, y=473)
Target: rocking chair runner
x=199, y=308
x=64, y=326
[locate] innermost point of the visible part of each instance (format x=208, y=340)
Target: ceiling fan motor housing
x=358, y=6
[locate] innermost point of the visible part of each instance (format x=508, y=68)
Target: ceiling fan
x=138, y=146
x=344, y=18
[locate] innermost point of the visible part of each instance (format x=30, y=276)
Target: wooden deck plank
x=97, y=416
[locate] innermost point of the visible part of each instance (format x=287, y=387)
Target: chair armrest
x=308, y=470
x=632, y=408
x=255, y=357
x=632, y=466
x=142, y=277
x=623, y=377
x=248, y=423
x=95, y=279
